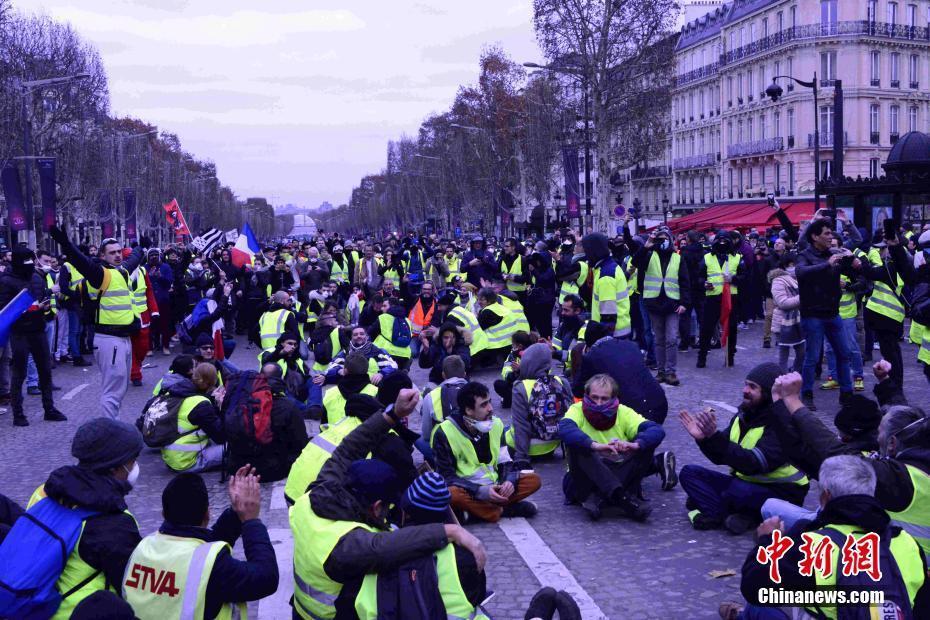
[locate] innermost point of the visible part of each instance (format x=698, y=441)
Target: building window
x=762, y=126
x=749, y=180
x=827, y=68
x=912, y=15
x=912, y=118
x=895, y=70
x=790, y=118
x=875, y=69
x=790, y=178
x=739, y=131
x=892, y=14
x=794, y=16
x=749, y=87
x=777, y=178
x=732, y=40
x=762, y=175
x=874, y=111
x=777, y=122
x=730, y=132
x=765, y=26
x=729, y=91
x=894, y=112
x=752, y=32
x=912, y=71
x=739, y=190
x=827, y=16
x=873, y=168
x=749, y=129
x=730, y=181
x=777, y=69
x=873, y=10
x=826, y=169
x=826, y=123
x=780, y=20
x=739, y=87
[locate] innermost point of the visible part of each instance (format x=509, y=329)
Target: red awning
x=742, y=215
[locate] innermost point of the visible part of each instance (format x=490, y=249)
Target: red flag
x=176, y=218
x=726, y=305
x=218, y=351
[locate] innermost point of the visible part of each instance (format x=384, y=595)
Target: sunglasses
x=207, y=346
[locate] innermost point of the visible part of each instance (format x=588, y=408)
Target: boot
x=19, y=419
x=672, y=379
x=53, y=415
x=702, y=359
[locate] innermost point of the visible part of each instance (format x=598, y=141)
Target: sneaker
x=830, y=384
x=729, y=610
x=166, y=351
x=542, y=605
x=137, y=382
x=683, y=348
x=672, y=379
x=808, y=399
x=525, y=509
x=632, y=508
x=33, y=390
x=660, y=376
x=859, y=384
x=55, y=416
x=767, y=343
x=592, y=506
x=701, y=521
x=566, y=606
x=702, y=362
x=150, y=354
x=742, y=326
x=666, y=466
x=738, y=524
x=80, y=361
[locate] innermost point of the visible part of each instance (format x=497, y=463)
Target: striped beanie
x=429, y=493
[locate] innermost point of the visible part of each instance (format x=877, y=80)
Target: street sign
x=619, y=229
x=619, y=210
x=458, y=232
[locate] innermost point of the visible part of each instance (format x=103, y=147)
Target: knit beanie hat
x=371, y=480
x=103, y=605
x=427, y=498
x=103, y=443
x=858, y=415
x=203, y=339
x=765, y=375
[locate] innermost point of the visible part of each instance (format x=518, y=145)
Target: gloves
x=60, y=235
x=145, y=242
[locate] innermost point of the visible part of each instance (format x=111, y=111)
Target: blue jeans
x=74, y=334
x=789, y=513
x=718, y=495
x=229, y=345
x=855, y=355
x=426, y=450
x=815, y=330
x=314, y=392
x=648, y=336
x=757, y=612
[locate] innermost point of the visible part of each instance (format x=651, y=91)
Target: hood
x=23, y=264
x=535, y=361
x=182, y=388
x=171, y=380
x=596, y=247
x=73, y=485
x=362, y=406
x=351, y=384
x=775, y=273
x=277, y=385
x=861, y=510
x=397, y=312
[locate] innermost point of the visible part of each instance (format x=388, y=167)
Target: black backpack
x=158, y=422
x=411, y=591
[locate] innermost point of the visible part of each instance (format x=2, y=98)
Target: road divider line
x=278, y=604
x=544, y=564
x=74, y=391
x=277, y=496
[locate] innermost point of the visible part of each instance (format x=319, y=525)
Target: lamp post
x=665, y=211
x=25, y=88
x=774, y=92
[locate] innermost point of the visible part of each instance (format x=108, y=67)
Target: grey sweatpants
x=665, y=328
x=114, y=359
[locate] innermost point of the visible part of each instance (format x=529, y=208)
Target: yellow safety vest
x=455, y=268
x=282, y=364
x=167, y=577
x=538, y=447
x=335, y=403
x=75, y=572
x=393, y=275
x=573, y=287
x=115, y=304
x=336, y=347
x=182, y=454
x=53, y=302
x=781, y=475
x=467, y=464
x=479, y=340
x=340, y=273
x=271, y=326
x=906, y=555
x=516, y=268
x=715, y=273
x=499, y=335
x=915, y=519
x=77, y=280
x=611, y=295
x=315, y=538
x=654, y=281
x=140, y=301
x=625, y=427
x=886, y=302
x=386, y=323
x=924, y=353
x=632, y=282
x=453, y=595
x=848, y=309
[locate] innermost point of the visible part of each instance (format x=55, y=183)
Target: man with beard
x=754, y=453
x=380, y=363
x=27, y=335
x=569, y=325
x=478, y=263
x=421, y=317
x=722, y=267
x=666, y=297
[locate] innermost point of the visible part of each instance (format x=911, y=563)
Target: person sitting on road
x=393, y=332
x=354, y=381
x=469, y=446
x=499, y=322
x=286, y=354
x=380, y=363
x=341, y=531
x=519, y=342
x=610, y=449
x=184, y=544
x=751, y=448
x=437, y=345
x=440, y=402
x=540, y=400
x=200, y=446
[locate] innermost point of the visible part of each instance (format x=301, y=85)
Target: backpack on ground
x=546, y=406
x=159, y=421
x=400, y=334
x=32, y=557
x=247, y=413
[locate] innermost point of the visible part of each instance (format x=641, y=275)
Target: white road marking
x=278, y=604
x=722, y=405
x=547, y=568
x=277, y=496
x=74, y=391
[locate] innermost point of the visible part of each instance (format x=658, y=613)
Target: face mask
x=133, y=474
x=197, y=267
x=790, y=271
x=484, y=426
x=665, y=245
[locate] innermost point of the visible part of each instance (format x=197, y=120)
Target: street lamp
x=665, y=210
x=26, y=87
x=774, y=92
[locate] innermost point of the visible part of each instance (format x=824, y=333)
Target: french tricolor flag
x=246, y=247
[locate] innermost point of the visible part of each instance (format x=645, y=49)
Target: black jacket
x=31, y=321
x=899, y=263
x=818, y=284
x=692, y=257
x=108, y=539
x=232, y=580
x=205, y=415
x=445, y=458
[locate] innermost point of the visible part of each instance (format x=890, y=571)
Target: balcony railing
x=893, y=138
x=876, y=82
x=874, y=137
x=826, y=139
x=756, y=147
x=697, y=74
x=817, y=31
x=694, y=161
x=652, y=172
x=915, y=85
x=896, y=83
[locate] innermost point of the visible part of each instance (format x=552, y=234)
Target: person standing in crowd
x=421, y=316
x=162, y=278
x=541, y=297
x=692, y=255
x=513, y=269
x=666, y=297
x=478, y=263
x=770, y=263
x=27, y=334
x=610, y=297
x=786, y=318
x=145, y=307
x=73, y=291
x=723, y=269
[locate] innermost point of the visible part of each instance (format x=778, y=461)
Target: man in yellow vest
x=722, y=266
x=106, y=471
x=186, y=569
x=393, y=332
x=354, y=381
x=610, y=449
x=380, y=362
x=454, y=262
x=499, y=323
x=852, y=525
x=610, y=297
x=513, y=269
x=276, y=320
x=108, y=283
x=336, y=524
x=440, y=402
x=469, y=446
x=751, y=448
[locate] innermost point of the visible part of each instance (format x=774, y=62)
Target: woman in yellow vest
x=106, y=451
x=186, y=570
x=199, y=445
x=498, y=322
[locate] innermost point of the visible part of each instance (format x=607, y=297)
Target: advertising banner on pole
x=129, y=212
x=46, y=168
x=572, y=190
x=107, y=217
x=13, y=194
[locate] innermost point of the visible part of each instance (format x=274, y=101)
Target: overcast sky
x=294, y=100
